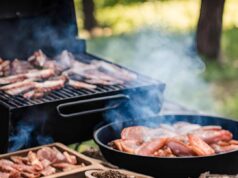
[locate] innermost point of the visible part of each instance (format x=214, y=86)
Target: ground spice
x=111, y=174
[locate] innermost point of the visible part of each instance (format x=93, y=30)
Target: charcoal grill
x=67, y=115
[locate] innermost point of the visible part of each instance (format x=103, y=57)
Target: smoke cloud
x=29, y=132
x=167, y=57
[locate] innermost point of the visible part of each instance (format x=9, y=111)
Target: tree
x=88, y=12
x=209, y=28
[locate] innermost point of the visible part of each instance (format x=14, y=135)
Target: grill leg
x=4, y=129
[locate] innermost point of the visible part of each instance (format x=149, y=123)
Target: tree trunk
x=209, y=28
x=88, y=12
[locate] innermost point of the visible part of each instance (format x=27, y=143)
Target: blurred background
x=191, y=45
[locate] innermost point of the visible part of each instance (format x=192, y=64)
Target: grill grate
x=67, y=92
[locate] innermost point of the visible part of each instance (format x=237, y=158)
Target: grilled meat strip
x=94, y=74
x=5, y=68
x=64, y=61
x=115, y=71
x=20, y=67
x=40, y=74
x=102, y=82
x=12, y=79
x=38, y=59
x=95, y=77
x=33, y=94
x=78, y=85
x=22, y=89
x=48, y=86
x=34, y=75
x=61, y=63
x=16, y=85
x=44, y=87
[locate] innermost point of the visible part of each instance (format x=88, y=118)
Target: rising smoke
x=29, y=131
x=167, y=57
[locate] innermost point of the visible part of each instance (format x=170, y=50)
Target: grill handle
x=88, y=101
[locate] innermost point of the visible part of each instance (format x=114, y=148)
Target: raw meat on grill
x=4, y=68
x=12, y=79
x=44, y=87
x=40, y=75
x=38, y=59
x=102, y=82
x=20, y=67
x=115, y=71
x=34, y=75
x=95, y=77
x=33, y=94
x=77, y=84
x=64, y=61
x=175, y=140
x=44, y=162
x=48, y=86
x=16, y=85
x=22, y=89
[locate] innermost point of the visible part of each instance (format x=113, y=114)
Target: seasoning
x=111, y=174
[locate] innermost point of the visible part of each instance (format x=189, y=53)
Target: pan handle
x=88, y=101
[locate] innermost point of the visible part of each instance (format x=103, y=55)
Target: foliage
x=127, y=15
x=174, y=16
x=109, y=3
x=83, y=146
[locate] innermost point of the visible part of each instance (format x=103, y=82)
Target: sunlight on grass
x=177, y=15
x=170, y=14
x=226, y=97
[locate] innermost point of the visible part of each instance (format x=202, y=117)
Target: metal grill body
x=67, y=115
x=70, y=115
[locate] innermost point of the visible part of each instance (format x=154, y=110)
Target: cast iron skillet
x=226, y=163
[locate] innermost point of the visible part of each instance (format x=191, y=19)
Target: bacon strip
x=78, y=85
x=115, y=71
x=213, y=136
x=134, y=133
x=40, y=74
x=149, y=148
x=179, y=148
x=16, y=85
x=103, y=82
x=200, y=147
x=44, y=87
x=12, y=79
x=34, y=75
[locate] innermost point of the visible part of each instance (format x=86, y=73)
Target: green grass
x=173, y=14
x=84, y=146
x=179, y=19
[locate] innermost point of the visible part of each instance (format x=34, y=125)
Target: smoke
x=175, y=62
x=22, y=137
x=167, y=57
x=29, y=132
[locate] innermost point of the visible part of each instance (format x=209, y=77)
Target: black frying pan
x=226, y=163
